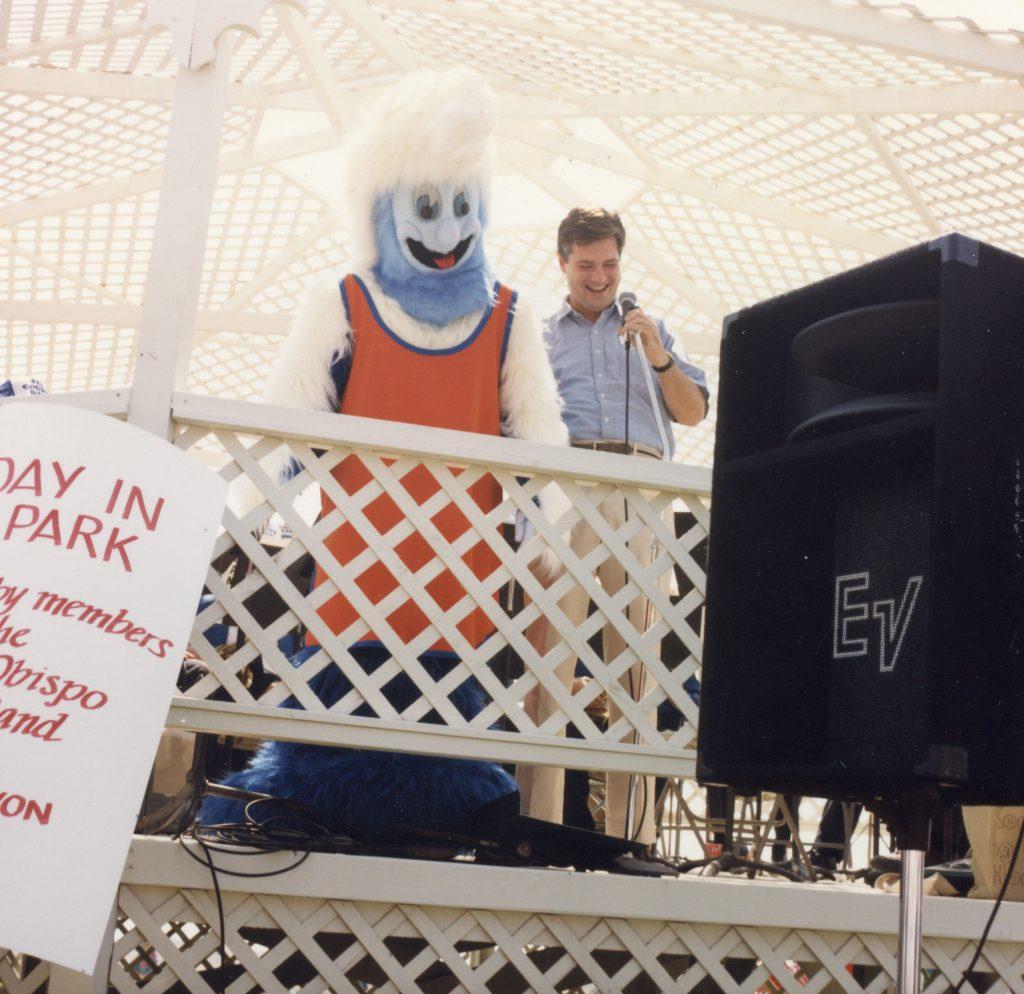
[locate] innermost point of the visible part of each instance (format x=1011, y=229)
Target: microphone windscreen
x=627, y=302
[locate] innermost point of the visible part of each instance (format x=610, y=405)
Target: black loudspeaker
x=865, y=600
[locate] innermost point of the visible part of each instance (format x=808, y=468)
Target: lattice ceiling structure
x=752, y=146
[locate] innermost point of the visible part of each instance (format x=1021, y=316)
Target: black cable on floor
x=992, y=917
x=282, y=833
x=222, y=973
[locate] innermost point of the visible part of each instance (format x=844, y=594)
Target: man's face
x=592, y=273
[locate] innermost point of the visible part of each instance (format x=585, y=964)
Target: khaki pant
x=541, y=787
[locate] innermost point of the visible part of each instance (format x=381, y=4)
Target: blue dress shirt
x=589, y=362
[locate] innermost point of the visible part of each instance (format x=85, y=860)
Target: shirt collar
x=566, y=311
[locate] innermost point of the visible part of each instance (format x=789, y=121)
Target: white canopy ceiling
x=752, y=146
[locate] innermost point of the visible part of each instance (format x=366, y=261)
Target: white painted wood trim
x=217, y=717
x=892, y=31
x=464, y=448
x=111, y=402
x=171, y=298
x=729, y=901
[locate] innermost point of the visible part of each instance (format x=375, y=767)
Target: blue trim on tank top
x=435, y=653
x=400, y=341
x=508, y=328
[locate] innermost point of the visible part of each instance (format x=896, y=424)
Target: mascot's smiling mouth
x=438, y=260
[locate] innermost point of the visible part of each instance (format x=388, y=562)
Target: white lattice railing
x=493, y=930
x=348, y=923
x=244, y=440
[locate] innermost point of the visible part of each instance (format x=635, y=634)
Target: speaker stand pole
x=911, y=902
x=910, y=822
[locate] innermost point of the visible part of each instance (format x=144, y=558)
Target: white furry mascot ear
x=417, y=332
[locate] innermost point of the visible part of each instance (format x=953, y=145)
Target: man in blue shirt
x=586, y=350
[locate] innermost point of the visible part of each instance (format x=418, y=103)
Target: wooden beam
x=902, y=177
x=726, y=195
x=295, y=249
x=318, y=68
x=903, y=34
x=997, y=97
x=376, y=30
x=130, y=315
x=142, y=182
x=946, y=99
x=38, y=49
x=62, y=273
x=670, y=52
x=101, y=85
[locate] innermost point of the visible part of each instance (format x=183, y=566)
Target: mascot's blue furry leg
x=361, y=793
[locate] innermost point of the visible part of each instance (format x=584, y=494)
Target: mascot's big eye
x=460, y=204
x=427, y=207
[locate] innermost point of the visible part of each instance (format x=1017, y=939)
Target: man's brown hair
x=584, y=225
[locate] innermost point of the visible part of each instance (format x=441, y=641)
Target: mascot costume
x=417, y=332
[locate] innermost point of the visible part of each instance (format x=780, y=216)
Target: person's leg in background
x=830, y=843
x=541, y=788
x=783, y=835
x=634, y=681
x=716, y=807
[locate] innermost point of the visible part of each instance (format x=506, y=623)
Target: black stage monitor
x=865, y=602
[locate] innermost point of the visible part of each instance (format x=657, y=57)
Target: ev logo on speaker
x=851, y=610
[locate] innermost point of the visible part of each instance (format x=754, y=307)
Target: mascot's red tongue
x=445, y=261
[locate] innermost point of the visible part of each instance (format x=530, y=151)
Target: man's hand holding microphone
x=636, y=324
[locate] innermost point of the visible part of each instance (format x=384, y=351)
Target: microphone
x=627, y=303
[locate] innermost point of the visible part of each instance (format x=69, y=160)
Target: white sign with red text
x=106, y=534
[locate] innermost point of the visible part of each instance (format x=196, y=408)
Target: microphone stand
x=652, y=395
x=631, y=789
x=654, y=399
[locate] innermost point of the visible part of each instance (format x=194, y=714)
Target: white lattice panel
x=46, y=353
x=283, y=294
x=541, y=66
x=104, y=138
x=105, y=245
x=83, y=36
x=350, y=53
x=659, y=88
x=82, y=162
x=742, y=257
x=22, y=974
x=968, y=168
x=240, y=367
x=651, y=489
x=821, y=164
x=256, y=216
x=345, y=923
x=696, y=446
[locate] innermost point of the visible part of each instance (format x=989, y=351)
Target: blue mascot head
x=419, y=184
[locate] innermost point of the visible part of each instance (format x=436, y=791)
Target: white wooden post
x=203, y=45
x=171, y=297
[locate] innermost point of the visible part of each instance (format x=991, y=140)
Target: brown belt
x=622, y=448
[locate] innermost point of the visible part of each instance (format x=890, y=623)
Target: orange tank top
x=454, y=388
